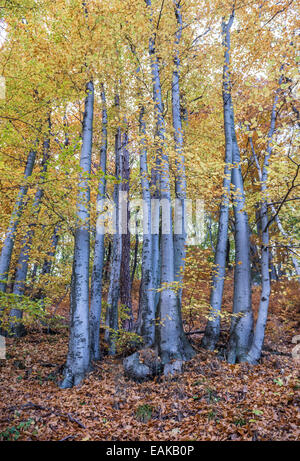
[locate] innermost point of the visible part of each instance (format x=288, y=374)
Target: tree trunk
x=146, y=318
x=180, y=179
x=9, y=240
x=135, y=257
x=155, y=229
x=16, y=327
x=241, y=330
x=125, y=279
x=212, y=330
x=172, y=342
x=242, y=324
x=46, y=269
x=259, y=333
x=96, y=284
x=107, y=262
x=111, y=319
x=258, y=339
x=145, y=325
x=78, y=360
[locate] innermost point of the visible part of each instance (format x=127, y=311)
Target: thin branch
x=284, y=198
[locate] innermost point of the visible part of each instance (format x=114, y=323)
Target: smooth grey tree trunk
x=146, y=317
x=78, y=360
x=172, y=342
x=125, y=279
x=96, y=284
x=259, y=333
x=255, y=263
x=180, y=177
x=212, y=330
x=145, y=325
x=9, y=240
x=155, y=228
x=241, y=330
x=111, y=319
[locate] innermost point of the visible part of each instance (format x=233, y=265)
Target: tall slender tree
x=97, y=274
x=241, y=329
x=172, y=342
x=7, y=248
x=16, y=327
x=112, y=314
x=259, y=332
x=146, y=318
x=212, y=330
x=78, y=360
x=125, y=279
x=180, y=179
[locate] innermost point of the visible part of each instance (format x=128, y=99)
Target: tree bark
x=46, y=269
x=241, y=330
x=111, y=319
x=78, y=360
x=172, y=342
x=107, y=262
x=180, y=178
x=212, y=330
x=9, y=240
x=16, y=327
x=125, y=279
x=97, y=274
x=135, y=257
x=146, y=317
x=259, y=333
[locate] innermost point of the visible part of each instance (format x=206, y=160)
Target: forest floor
x=211, y=400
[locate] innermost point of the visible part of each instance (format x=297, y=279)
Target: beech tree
x=112, y=313
x=173, y=343
x=79, y=358
x=147, y=311
x=96, y=284
x=121, y=79
x=125, y=276
x=212, y=330
x=16, y=327
x=9, y=241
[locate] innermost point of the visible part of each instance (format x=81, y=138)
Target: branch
x=159, y=17
x=284, y=199
x=278, y=12
x=32, y=405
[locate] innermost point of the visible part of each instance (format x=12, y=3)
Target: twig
x=195, y=332
x=284, y=199
x=68, y=437
x=40, y=407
